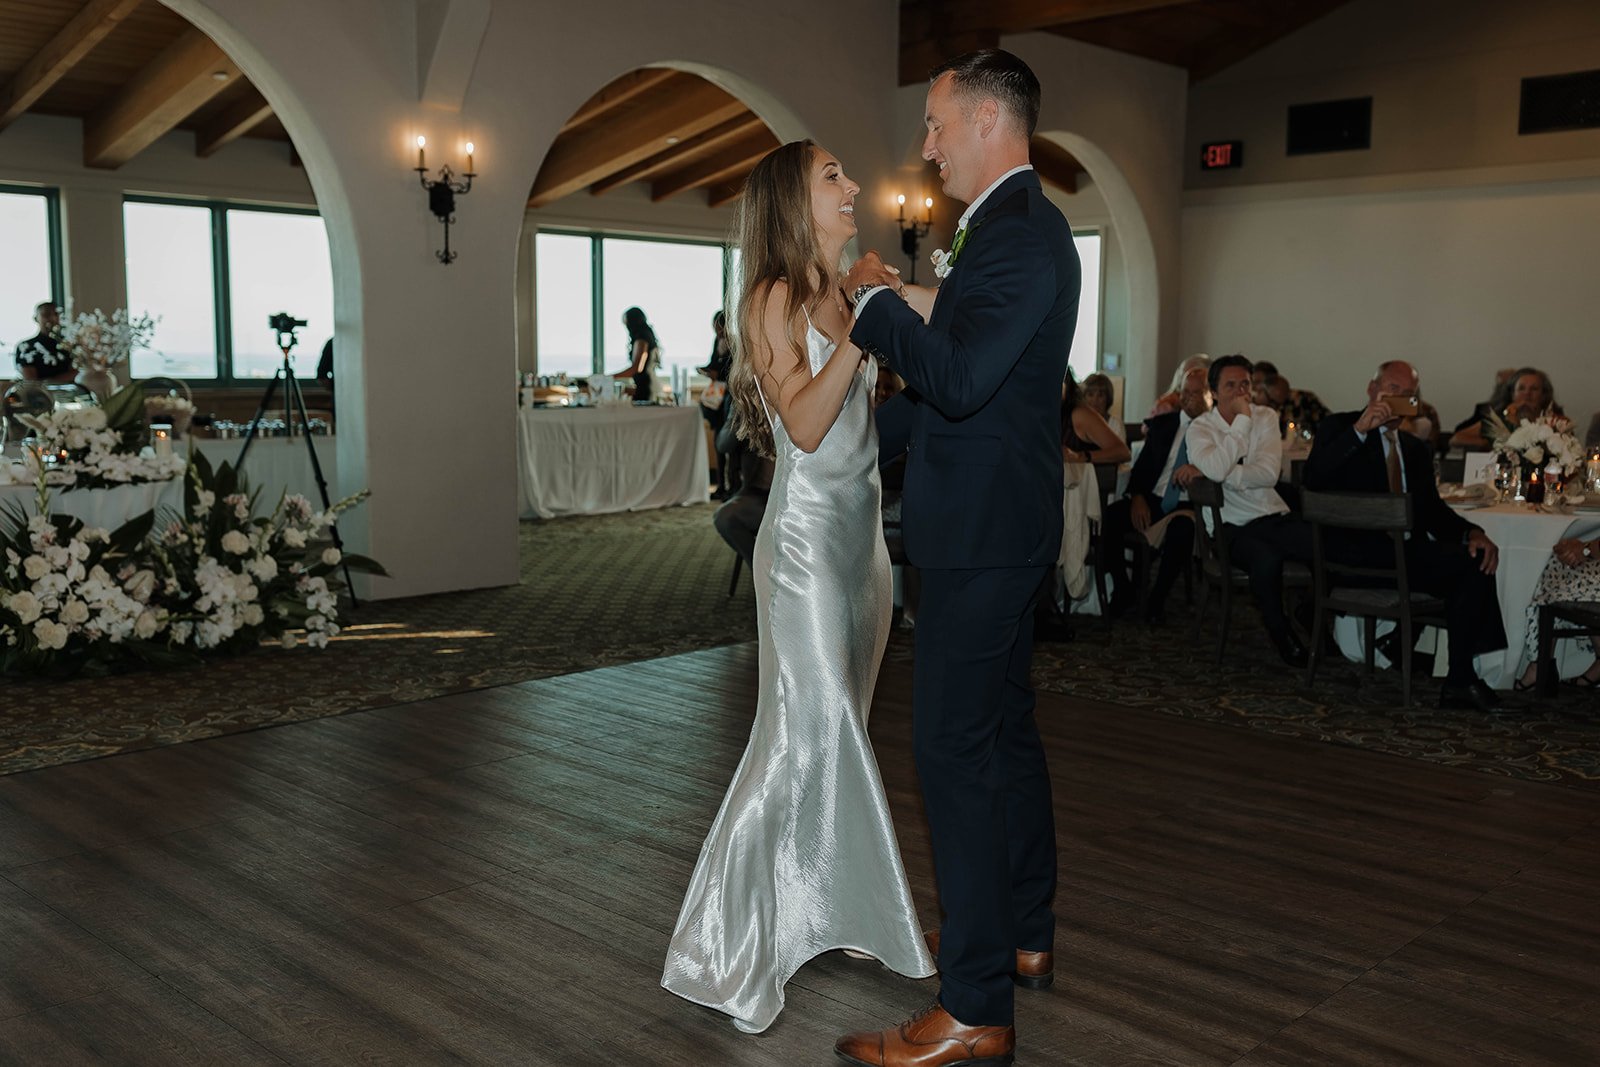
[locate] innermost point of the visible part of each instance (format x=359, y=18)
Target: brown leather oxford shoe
x=930, y=1038
x=1035, y=970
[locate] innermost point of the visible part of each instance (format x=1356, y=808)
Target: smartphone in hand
x=1403, y=406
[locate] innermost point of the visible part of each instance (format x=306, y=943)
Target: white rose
x=252, y=615
x=331, y=556
x=141, y=585
x=265, y=568
x=75, y=613
x=92, y=418
x=235, y=542
x=289, y=640
x=24, y=605
x=294, y=538
x=35, y=567
x=146, y=626
x=50, y=635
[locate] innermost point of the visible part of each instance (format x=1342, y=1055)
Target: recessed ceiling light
x=672, y=140
x=219, y=75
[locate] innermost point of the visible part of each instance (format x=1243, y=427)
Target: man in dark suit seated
x=1446, y=556
x=1157, y=487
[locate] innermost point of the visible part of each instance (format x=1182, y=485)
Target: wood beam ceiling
x=181, y=79
x=685, y=108
x=734, y=161
x=1227, y=48
x=243, y=115
x=60, y=54
x=1055, y=164
x=617, y=93
x=681, y=153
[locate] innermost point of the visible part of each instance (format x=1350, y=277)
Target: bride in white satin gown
x=802, y=857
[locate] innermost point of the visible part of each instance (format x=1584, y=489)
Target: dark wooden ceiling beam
x=1023, y=16
x=242, y=116
x=596, y=150
x=630, y=86
x=726, y=192
x=681, y=153
x=60, y=54
x=1229, y=47
x=1055, y=164
x=175, y=84
x=735, y=160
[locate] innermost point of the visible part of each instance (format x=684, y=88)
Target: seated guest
x=1260, y=371
x=1171, y=400
x=739, y=519
x=1157, y=487
x=1237, y=444
x=1499, y=397
x=1098, y=394
x=1085, y=437
x=715, y=402
x=1573, y=574
x=40, y=357
x=1531, y=395
x=1446, y=556
x=1299, y=406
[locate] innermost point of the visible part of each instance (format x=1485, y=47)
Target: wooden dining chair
x=1211, y=548
x=1371, y=592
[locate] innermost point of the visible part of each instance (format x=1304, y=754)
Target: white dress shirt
x=1245, y=457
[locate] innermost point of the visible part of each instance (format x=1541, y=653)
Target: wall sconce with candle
x=442, y=193
x=913, y=231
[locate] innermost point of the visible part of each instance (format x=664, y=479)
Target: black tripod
x=294, y=403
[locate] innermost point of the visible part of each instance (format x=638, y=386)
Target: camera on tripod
x=283, y=322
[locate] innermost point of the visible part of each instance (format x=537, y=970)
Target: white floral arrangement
x=79, y=448
x=215, y=578
x=97, y=342
x=1544, y=441
x=168, y=405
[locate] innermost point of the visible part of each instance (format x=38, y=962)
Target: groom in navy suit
x=980, y=423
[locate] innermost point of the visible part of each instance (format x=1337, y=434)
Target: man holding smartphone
x=1446, y=556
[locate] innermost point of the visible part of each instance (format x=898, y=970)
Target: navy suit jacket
x=1158, y=436
x=1340, y=460
x=981, y=417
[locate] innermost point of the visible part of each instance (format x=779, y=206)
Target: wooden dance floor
x=492, y=877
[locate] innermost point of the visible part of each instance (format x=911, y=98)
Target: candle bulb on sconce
x=442, y=193
x=912, y=231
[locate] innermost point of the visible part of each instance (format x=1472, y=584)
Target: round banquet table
x=1525, y=538
x=592, y=461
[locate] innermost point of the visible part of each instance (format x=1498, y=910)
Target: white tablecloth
x=591, y=461
x=1525, y=538
x=279, y=464
x=275, y=464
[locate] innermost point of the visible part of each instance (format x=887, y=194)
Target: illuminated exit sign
x=1221, y=155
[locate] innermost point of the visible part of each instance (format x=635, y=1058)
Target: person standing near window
x=644, y=353
x=41, y=357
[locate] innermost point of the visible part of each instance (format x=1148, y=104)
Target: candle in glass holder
x=161, y=438
x=1535, y=491
x=1594, y=470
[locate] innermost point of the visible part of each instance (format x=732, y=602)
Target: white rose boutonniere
x=941, y=262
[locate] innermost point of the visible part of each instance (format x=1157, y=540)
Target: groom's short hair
x=997, y=73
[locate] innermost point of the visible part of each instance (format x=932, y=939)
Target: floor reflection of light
x=451, y=635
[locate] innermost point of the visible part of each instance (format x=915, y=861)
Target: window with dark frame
x=31, y=267
x=252, y=260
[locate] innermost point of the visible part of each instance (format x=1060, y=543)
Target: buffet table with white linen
x=592, y=461
x=1526, y=538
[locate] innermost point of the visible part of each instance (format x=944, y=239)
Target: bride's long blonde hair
x=777, y=240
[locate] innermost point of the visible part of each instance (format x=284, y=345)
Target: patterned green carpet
x=619, y=588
